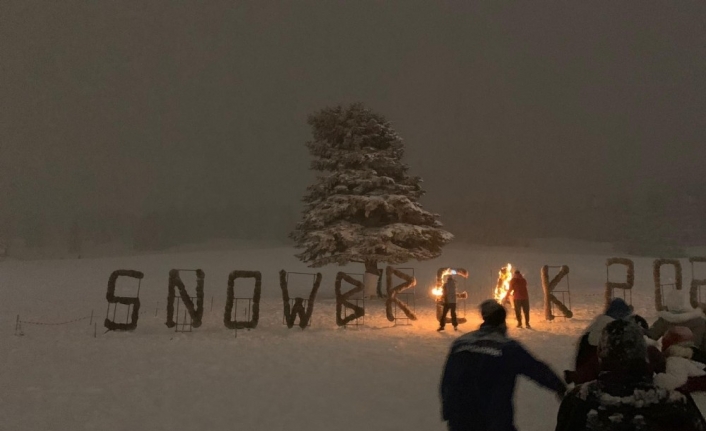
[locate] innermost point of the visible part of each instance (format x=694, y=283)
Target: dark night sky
x=136, y=105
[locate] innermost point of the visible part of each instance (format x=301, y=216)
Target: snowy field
x=378, y=377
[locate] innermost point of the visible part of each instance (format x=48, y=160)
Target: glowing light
x=438, y=290
x=503, y=286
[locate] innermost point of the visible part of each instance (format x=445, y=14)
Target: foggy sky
x=139, y=105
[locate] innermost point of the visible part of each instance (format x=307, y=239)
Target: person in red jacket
x=520, y=298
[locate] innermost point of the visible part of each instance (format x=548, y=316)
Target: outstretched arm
x=538, y=371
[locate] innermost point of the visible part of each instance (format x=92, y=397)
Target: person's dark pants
x=445, y=310
x=473, y=423
x=457, y=426
x=522, y=305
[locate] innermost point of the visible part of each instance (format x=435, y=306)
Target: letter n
x=112, y=299
x=195, y=312
x=228, y=320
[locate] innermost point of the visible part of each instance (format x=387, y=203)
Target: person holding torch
x=448, y=297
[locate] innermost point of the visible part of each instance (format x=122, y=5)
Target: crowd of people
x=628, y=375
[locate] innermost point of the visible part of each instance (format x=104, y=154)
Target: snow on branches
x=364, y=206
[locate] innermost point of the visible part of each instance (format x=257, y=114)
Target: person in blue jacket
x=479, y=377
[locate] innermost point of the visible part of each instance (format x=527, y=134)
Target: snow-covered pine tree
x=364, y=206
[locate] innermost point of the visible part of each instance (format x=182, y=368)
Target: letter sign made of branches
x=463, y=295
x=657, y=275
x=292, y=311
x=342, y=299
x=548, y=287
x=696, y=282
x=231, y=322
x=392, y=292
x=444, y=270
x=195, y=312
x=629, y=281
x=129, y=301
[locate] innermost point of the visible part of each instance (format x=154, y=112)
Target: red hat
x=676, y=335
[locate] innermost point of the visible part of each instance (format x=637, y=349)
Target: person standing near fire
x=449, y=299
x=520, y=298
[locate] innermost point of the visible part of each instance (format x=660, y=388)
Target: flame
x=438, y=290
x=504, y=277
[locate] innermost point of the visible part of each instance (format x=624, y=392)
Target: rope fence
x=19, y=322
x=588, y=294
x=54, y=324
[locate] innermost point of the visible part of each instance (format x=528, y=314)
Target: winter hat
x=676, y=302
x=492, y=312
x=676, y=335
x=618, y=309
x=622, y=347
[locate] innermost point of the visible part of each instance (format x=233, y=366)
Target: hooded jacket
x=479, y=377
x=588, y=343
x=680, y=313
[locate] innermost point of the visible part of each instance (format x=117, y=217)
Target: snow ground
x=379, y=377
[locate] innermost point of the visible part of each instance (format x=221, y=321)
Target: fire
x=438, y=290
x=504, y=277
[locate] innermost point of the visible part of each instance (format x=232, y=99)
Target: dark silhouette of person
x=449, y=298
x=520, y=298
x=479, y=377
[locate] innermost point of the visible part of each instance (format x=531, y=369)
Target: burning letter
x=503, y=285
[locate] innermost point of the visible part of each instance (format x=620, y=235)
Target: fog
x=526, y=120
